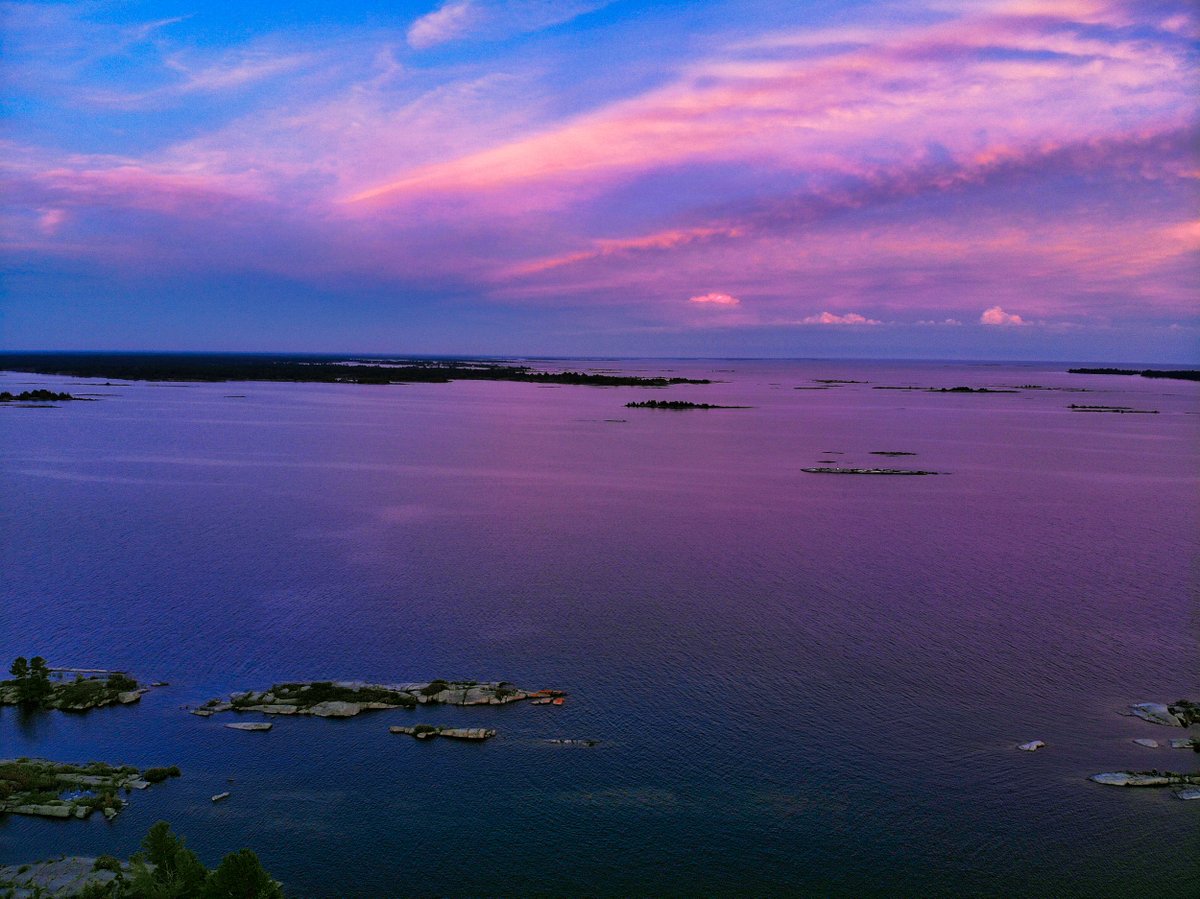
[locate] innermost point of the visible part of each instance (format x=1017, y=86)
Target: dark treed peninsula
x=1181, y=374
x=300, y=368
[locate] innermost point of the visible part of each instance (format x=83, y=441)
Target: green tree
x=241, y=876
x=166, y=869
x=37, y=683
x=19, y=668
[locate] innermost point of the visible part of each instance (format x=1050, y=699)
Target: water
x=801, y=683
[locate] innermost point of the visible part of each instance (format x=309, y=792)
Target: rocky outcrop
x=1156, y=713
x=1032, y=746
x=58, y=878
x=1144, y=779
x=426, y=731
x=345, y=699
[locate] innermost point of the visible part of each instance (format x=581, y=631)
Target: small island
x=952, y=389
x=36, y=685
x=676, y=405
x=59, y=790
x=837, y=470
x=1118, y=410
x=345, y=699
x=35, y=396
x=1177, y=374
x=425, y=731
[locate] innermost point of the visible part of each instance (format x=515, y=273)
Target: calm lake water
x=801, y=683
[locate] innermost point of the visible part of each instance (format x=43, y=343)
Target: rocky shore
x=1181, y=713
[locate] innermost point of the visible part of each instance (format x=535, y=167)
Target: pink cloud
x=829, y=318
x=715, y=299
x=997, y=316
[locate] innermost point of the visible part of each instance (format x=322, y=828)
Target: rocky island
x=425, y=731
x=35, y=396
x=60, y=790
x=676, y=405
x=35, y=685
x=344, y=699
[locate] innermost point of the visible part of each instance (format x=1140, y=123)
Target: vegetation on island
x=676, y=405
x=164, y=869
x=33, y=687
x=61, y=790
x=34, y=396
x=308, y=369
x=1178, y=374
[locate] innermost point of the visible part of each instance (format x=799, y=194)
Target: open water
x=801, y=683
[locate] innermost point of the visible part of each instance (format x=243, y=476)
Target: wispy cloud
x=459, y=20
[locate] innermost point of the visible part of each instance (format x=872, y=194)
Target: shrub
x=158, y=775
x=107, y=863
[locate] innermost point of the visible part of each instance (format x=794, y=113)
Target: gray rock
x=220, y=797
x=203, y=713
x=138, y=783
x=1032, y=746
x=280, y=708
x=335, y=709
x=251, y=725
x=1155, y=713
x=45, y=811
x=1189, y=793
x=1125, y=779
x=1147, y=742
x=467, y=733
x=129, y=696
x=1183, y=744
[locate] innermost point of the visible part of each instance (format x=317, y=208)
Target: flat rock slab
x=1147, y=742
x=1155, y=713
x=1183, y=744
x=1189, y=793
x=1125, y=779
x=255, y=726
x=60, y=877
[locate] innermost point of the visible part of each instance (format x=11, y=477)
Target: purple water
x=801, y=682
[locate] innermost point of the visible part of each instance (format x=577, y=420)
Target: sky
x=1001, y=179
